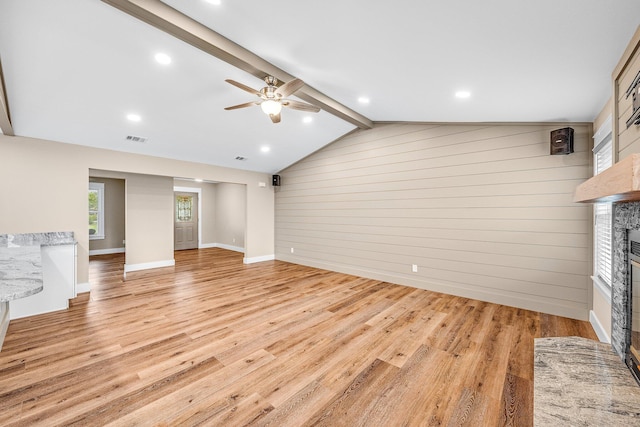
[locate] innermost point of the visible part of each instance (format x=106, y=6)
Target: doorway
x=185, y=220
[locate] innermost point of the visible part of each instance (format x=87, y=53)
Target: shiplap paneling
x=628, y=138
x=483, y=210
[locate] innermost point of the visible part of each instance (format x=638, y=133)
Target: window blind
x=603, y=158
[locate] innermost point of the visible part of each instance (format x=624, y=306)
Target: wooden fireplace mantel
x=619, y=183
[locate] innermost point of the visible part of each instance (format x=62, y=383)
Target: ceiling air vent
x=133, y=138
x=241, y=158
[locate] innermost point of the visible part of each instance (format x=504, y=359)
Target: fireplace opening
x=632, y=358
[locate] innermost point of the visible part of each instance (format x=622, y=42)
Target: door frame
x=192, y=190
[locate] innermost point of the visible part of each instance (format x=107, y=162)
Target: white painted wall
x=57, y=177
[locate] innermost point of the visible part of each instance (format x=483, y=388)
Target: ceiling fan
x=273, y=98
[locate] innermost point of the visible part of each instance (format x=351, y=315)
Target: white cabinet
x=59, y=283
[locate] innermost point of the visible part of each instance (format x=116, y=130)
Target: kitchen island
x=37, y=274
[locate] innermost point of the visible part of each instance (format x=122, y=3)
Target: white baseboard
x=106, y=251
x=82, y=288
x=258, y=259
x=149, y=265
x=222, y=246
x=230, y=247
x=597, y=327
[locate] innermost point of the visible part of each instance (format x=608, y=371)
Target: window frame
x=99, y=188
x=603, y=158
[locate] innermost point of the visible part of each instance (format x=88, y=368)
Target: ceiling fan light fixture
x=273, y=98
x=271, y=107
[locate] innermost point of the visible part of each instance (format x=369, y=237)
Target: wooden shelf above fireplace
x=619, y=183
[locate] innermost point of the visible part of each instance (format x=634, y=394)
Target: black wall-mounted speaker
x=561, y=141
x=275, y=180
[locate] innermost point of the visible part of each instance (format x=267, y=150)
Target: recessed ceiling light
x=215, y=2
x=364, y=100
x=265, y=149
x=163, y=58
x=134, y=117
x=462, y=94
x=307, y=119
x=198, y=179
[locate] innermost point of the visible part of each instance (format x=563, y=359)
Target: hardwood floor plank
x=418, y=394
x=206, y=395
x=354, y=401
x=58, y=394
x=116, y=407
x=212, y=341
x=472, y=409
x=295, y=410
x=489, y=363
x=517, y=402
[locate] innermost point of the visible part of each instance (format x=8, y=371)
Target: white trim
x=597, y=327
x=255, y=259
x=230, y=247
x=604, y=289
x=106, y=251
x=193, y=190
x=149, y=265
x=82, y=288
x=602, y=133
x=222, y=246
x=4, y=321
x=208, y=245
x=99, y=187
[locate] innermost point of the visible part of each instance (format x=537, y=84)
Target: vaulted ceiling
x=75, y=69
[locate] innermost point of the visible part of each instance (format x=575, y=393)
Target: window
x=184, y=206
x=602, y=212
x=96, y=210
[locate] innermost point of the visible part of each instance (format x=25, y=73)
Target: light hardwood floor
x=214, y=342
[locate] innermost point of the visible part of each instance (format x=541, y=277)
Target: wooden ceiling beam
x=173, y=22
x=5, y=118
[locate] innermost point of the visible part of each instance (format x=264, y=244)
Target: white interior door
x=185, y=220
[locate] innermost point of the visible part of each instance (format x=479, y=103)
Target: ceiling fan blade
x=244, y=87
x=290, y=87
x=275, y=118
x=246, y=104
x=297, y=105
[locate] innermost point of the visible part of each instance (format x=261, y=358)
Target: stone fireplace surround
x=625, y=216
x=578, y=381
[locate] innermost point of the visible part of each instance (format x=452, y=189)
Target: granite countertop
x=20, y=272
x=37, y=239
x=21, y=262
x=581, y=382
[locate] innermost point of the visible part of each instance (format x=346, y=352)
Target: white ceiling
x=74, y=69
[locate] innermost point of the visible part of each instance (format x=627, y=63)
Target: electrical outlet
x=414, y=268
x=234, y=240
x=291, y=250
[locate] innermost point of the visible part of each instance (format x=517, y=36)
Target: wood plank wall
x=483, y=210
x=628, y=139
